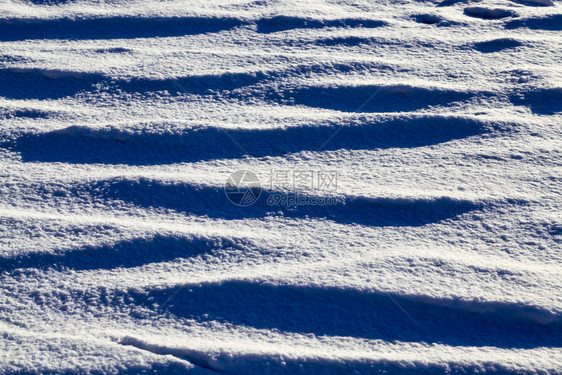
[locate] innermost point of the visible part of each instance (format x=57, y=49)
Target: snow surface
x=122, y=120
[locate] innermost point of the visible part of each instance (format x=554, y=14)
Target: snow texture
x=440, y=251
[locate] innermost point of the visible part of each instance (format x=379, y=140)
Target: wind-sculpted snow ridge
x=325, y=311
x=55, y=84
x=488, y=13
x=279, y=361
x=211, y=201
x=131, y=253
x=549, y=22
x=266, y=187
x=111, y=27
x=390, y=98
x=496, y=45
x=80, y=144
x=282, y=23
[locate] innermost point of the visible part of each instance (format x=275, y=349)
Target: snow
x=439, y=250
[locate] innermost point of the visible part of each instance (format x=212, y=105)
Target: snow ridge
x=435, y=250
